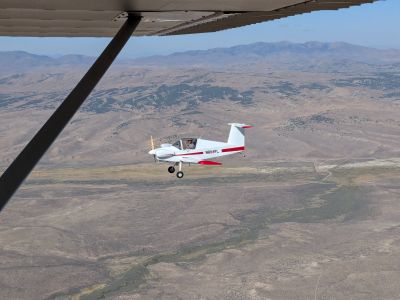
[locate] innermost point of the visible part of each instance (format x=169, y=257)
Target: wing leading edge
x=103, y=18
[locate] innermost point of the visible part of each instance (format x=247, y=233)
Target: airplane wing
x=103, y=18
x=209, y=163
x=192, y=160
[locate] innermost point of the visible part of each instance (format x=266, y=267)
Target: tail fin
x=236, y=135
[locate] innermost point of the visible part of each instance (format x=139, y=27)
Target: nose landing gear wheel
x=171, y=169
x=179, y=174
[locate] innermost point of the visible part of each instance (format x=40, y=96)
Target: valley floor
x=272, y=230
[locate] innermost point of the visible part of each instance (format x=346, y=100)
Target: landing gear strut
x=180, y=173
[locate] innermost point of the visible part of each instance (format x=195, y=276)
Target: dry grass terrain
x=278, y=230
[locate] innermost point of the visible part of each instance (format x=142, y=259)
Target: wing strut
x=37, y=147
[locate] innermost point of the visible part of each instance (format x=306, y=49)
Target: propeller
x=152, y=148
x=160, y=153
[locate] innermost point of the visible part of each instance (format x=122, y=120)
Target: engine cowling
x=164, y=153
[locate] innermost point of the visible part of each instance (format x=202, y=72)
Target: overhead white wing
x=160, y=17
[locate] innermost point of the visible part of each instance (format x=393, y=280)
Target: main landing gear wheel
x=171, y=169
x=179, y=174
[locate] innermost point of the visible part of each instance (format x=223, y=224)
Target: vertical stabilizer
x=236, y=135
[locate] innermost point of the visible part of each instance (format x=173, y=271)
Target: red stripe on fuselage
x=185, y=154
x=242, y=148
x=233, y=149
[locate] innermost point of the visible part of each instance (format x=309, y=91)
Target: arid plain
x=311, y=212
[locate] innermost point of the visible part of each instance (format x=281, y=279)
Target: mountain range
x=277, y=53
x=271, y=53
x=21, y=61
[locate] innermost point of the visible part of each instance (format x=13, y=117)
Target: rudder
x=236, y=134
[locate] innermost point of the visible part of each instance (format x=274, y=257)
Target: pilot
x=190, y=144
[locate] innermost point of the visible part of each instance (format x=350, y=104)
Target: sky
x=375, y=25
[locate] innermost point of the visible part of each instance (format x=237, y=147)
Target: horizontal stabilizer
x=209, y=163
x=240, y=125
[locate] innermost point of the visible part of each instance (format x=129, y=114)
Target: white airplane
x=199, y=151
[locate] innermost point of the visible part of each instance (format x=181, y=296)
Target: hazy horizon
x=57, y=55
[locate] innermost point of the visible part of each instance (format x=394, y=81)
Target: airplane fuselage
x=212, y=150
